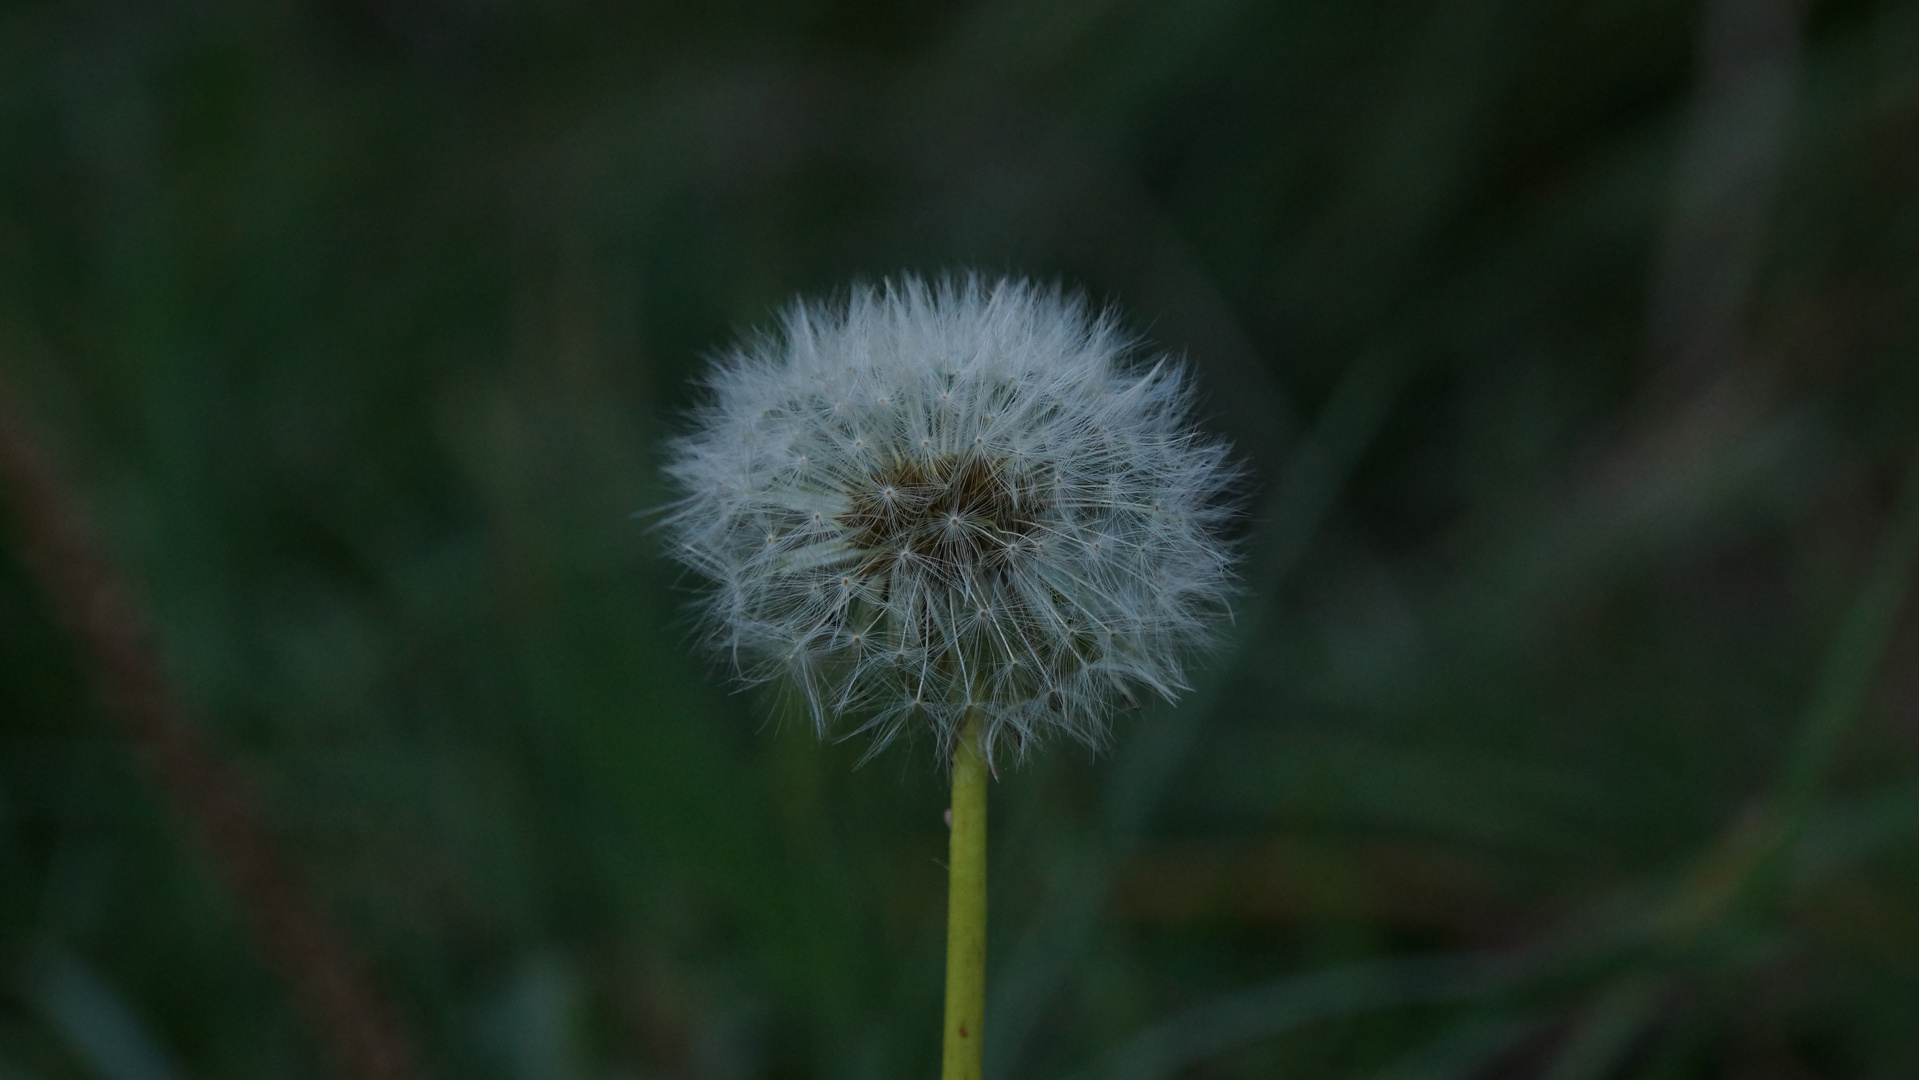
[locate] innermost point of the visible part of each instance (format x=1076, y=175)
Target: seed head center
x=951, y=513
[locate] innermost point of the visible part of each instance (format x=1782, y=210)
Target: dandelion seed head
x=948, y=594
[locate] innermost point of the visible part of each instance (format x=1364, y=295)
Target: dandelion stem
x=966, y=909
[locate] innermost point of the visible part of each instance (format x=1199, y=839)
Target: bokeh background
x=1567, y=726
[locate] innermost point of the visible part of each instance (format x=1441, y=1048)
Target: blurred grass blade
x=1609, y=1030
x=1466, y=1049
x=96, y=1023
x=1245, y=1019
x=1755, y=855
x=1844, y=832
x=347, y=1011
x=1854, y=661
x=534, y=1026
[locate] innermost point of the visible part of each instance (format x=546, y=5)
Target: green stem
x=966, y=909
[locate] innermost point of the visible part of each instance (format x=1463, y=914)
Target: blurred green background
x=1567, y=729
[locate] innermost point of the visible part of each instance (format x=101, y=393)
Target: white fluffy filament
x=934, y=497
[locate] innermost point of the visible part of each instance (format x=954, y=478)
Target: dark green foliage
x=1568, y=726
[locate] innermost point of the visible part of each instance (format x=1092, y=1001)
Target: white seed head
x=996, y=505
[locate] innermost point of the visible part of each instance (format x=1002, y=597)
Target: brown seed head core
x=951, y=514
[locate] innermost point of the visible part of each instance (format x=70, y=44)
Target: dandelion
x=940, y=499
x=965, y=509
